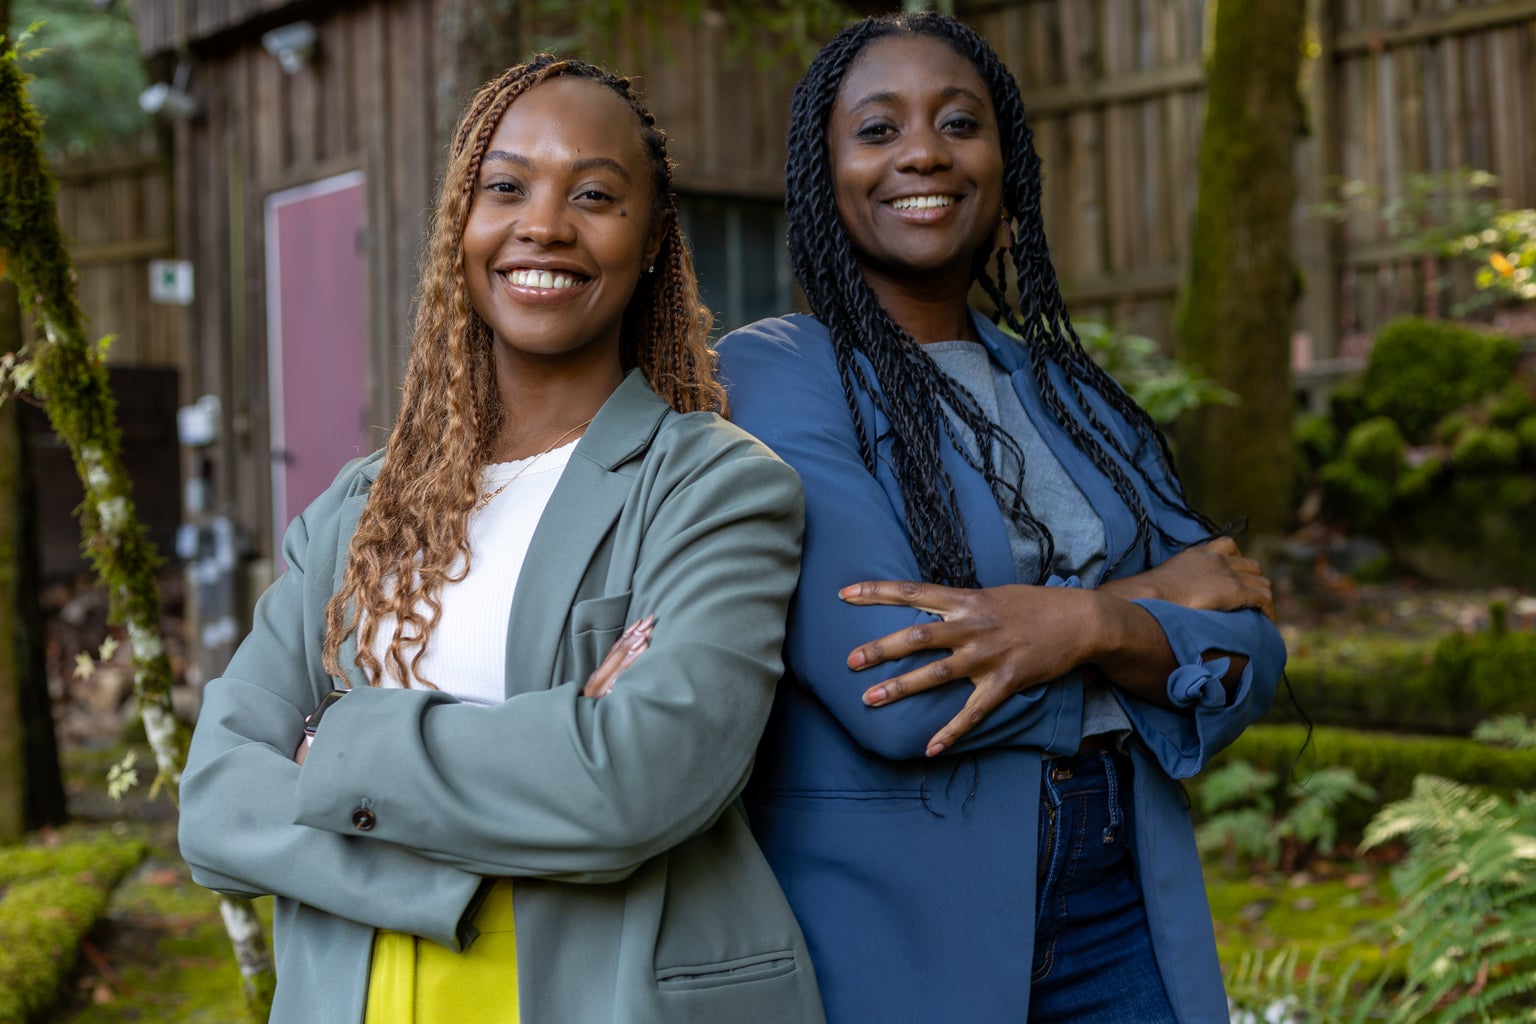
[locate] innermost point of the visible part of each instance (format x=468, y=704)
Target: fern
x=1514, y=731
x=1468, y=913
x=1279, y=991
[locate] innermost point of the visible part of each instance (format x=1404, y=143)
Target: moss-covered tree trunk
x=1235, y=314
x=31, y=784
x=68, y=375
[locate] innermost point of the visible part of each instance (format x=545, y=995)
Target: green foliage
x=1505, y=252
x=1316, y=439
x=49, y=899
x=1508, y=407
x=1421, y=370
x=784, y=34
x=1358, y=486
x=1376, y=447
x=1468, y=887
x=1281, y=989
x=1386, y=762
x=1526, y=432
x=1446, y=685
x=87, y=81
x=1240, y=820
x=1456, y=216
x=1159, y=384
x=1515, y=732
x=1486, y=450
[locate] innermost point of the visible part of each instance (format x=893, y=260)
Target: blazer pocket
x=727, y=972
x=595, y=625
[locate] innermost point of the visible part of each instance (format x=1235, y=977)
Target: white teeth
x=921, y=202
x=541, y=279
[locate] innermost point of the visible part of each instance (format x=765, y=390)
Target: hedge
x=1443, y=687
x=1387, y=762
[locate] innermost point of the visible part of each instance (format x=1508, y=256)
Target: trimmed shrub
x=1387, y=683
x=1420, y=370
x=1386, y=762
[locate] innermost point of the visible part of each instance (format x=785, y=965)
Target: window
x=740, y=255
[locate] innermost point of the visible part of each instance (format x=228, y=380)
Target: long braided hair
x=414, y=526
x=906, y=380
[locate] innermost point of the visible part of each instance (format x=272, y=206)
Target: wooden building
x=303, y=195
x=302, y=183
x=115, y=208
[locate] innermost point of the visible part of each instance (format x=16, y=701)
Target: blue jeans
x=1093, y=953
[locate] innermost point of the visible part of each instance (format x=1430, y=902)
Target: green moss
x=1486, y=450
x=1444, y=686
x=51, y=898
x=1346, y=405
x=1452, y=426
x=1420, y=370
x=1354, y=497
x=1526, y=432
x=1417, y=483
x=1344, y=920
x=1316, y=439
x=1375, y=446
x=1475, y=531
x=1511, y=405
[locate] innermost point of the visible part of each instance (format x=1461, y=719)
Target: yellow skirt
x=416, y=981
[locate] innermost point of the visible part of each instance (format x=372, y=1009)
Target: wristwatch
x=312, y=722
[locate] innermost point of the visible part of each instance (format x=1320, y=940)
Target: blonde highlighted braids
x=415, y=524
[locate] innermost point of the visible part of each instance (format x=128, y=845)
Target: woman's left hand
x=629, y=646
x=982, y=629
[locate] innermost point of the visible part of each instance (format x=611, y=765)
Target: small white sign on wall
x=170, y=282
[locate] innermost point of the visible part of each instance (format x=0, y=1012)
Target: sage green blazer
x=639, y=894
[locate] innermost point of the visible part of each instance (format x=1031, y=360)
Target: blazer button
x=363, y=819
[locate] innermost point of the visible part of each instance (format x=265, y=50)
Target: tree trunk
x=31, y=784
x=71, y=379
x=475, y=39
x=1235, y=317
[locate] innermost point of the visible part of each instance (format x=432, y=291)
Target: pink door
x=317, y=329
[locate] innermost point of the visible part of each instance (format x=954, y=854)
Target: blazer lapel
x=583, y=508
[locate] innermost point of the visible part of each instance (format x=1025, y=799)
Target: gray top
x=1050, y=493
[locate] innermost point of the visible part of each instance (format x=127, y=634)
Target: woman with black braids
x=1011, y=635
x=472, y=825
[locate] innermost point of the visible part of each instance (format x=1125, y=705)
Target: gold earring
x=1003, y=239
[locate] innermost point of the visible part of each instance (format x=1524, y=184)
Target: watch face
x=313, y=720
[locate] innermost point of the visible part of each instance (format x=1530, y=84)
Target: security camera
x=292, y=45
x=163, y=97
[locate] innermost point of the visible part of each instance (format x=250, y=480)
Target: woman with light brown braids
x=455, y=609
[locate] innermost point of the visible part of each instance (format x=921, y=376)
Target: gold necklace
x=488, y=498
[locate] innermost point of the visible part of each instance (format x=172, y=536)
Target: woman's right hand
x=1213, y=576
x=629, y=646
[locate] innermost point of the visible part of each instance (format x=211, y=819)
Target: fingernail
x=875, y=697
x=629, y=630
x=849, y=591
x=935, y=749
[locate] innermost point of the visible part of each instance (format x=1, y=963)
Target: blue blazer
x=914, y=878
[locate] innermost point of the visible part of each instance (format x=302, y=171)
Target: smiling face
x=917, y=167
x=561, y=225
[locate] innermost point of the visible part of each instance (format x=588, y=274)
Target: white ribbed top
x=467, y=652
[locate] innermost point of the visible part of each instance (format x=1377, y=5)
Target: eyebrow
x=584, y=164
x=889, y=96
